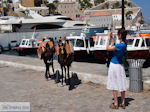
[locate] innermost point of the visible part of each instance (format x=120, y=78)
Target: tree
x=37, y=2
x=51, y=7
x=107, y=5
x=85, y=4
x=116, y=5
x=98, y=1
x=128, y=15
x=55, y=1
x=45, y=2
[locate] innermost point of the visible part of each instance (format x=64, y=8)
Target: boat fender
x=88, y=51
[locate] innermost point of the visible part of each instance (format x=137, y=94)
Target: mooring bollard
x=135, y=74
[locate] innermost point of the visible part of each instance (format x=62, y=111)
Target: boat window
x=27, y=42
x=64, y=18
x=23, y=42
x=33, y=43
x=130, y=42
x=79, y=24
x=96, y=41
x=87, y=43
x=91, y=42
x=72, y=41
x=148, y=42
x=143, y=44
x=137, y=42
x=46, y=26
x=103, y=41
x=79, y=43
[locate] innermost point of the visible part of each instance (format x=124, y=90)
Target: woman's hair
x=123, y=34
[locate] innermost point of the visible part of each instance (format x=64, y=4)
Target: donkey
x=47, y=55
x=64, y=59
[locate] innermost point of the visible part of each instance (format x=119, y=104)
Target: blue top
x=118, y=53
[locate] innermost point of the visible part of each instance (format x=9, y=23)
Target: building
x=102, y=19
x=70, y=9
x=27, y=3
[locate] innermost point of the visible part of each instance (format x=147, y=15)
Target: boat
x=28, y=19
x=81, y=44
x=28, y=46
x=99, y=49
x=137, y=47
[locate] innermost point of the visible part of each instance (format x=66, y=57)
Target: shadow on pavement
x=127, y=101
x=74, y=81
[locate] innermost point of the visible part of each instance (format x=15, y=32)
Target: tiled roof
x=109, y=13
x=66, y=2
x=101, y=14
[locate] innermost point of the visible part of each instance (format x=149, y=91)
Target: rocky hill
x=114, y=4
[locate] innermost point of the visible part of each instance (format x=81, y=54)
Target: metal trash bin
x=135, y=74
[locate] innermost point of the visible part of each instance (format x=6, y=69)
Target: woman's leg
x=123, y=97
x=115, y=93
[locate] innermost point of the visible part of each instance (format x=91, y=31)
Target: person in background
x=116, y=73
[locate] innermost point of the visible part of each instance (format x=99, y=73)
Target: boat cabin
x=29, y=43
x=100, y=41
x=80, y=45
x=138, y=43
x=138, y=47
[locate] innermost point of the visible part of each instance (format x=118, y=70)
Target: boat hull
x=80, y=54
x=25, y=50
x=138, y=54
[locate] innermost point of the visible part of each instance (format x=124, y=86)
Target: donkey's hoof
x=61, y=85
x=50, y=76
x=47, y=79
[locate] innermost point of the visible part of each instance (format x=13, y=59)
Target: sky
x=145, y=5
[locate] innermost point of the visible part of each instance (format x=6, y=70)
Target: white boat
x=137, y=47
x=28, y=46
x=81, y=44
x=28, y=19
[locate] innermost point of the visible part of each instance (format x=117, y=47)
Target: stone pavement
x=89, y=72
x=26, y=85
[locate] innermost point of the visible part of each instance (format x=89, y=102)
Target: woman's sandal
x=123, y=106
x=112, y=106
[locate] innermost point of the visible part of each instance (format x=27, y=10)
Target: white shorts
x=117, y=78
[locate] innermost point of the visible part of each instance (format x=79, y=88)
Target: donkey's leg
x=48, y=65
x=45, y=61
x=53, y=66
x=62, y=75
x=68, y=75
x=65, y=73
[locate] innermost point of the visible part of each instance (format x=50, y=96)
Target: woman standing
x=116, y=73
